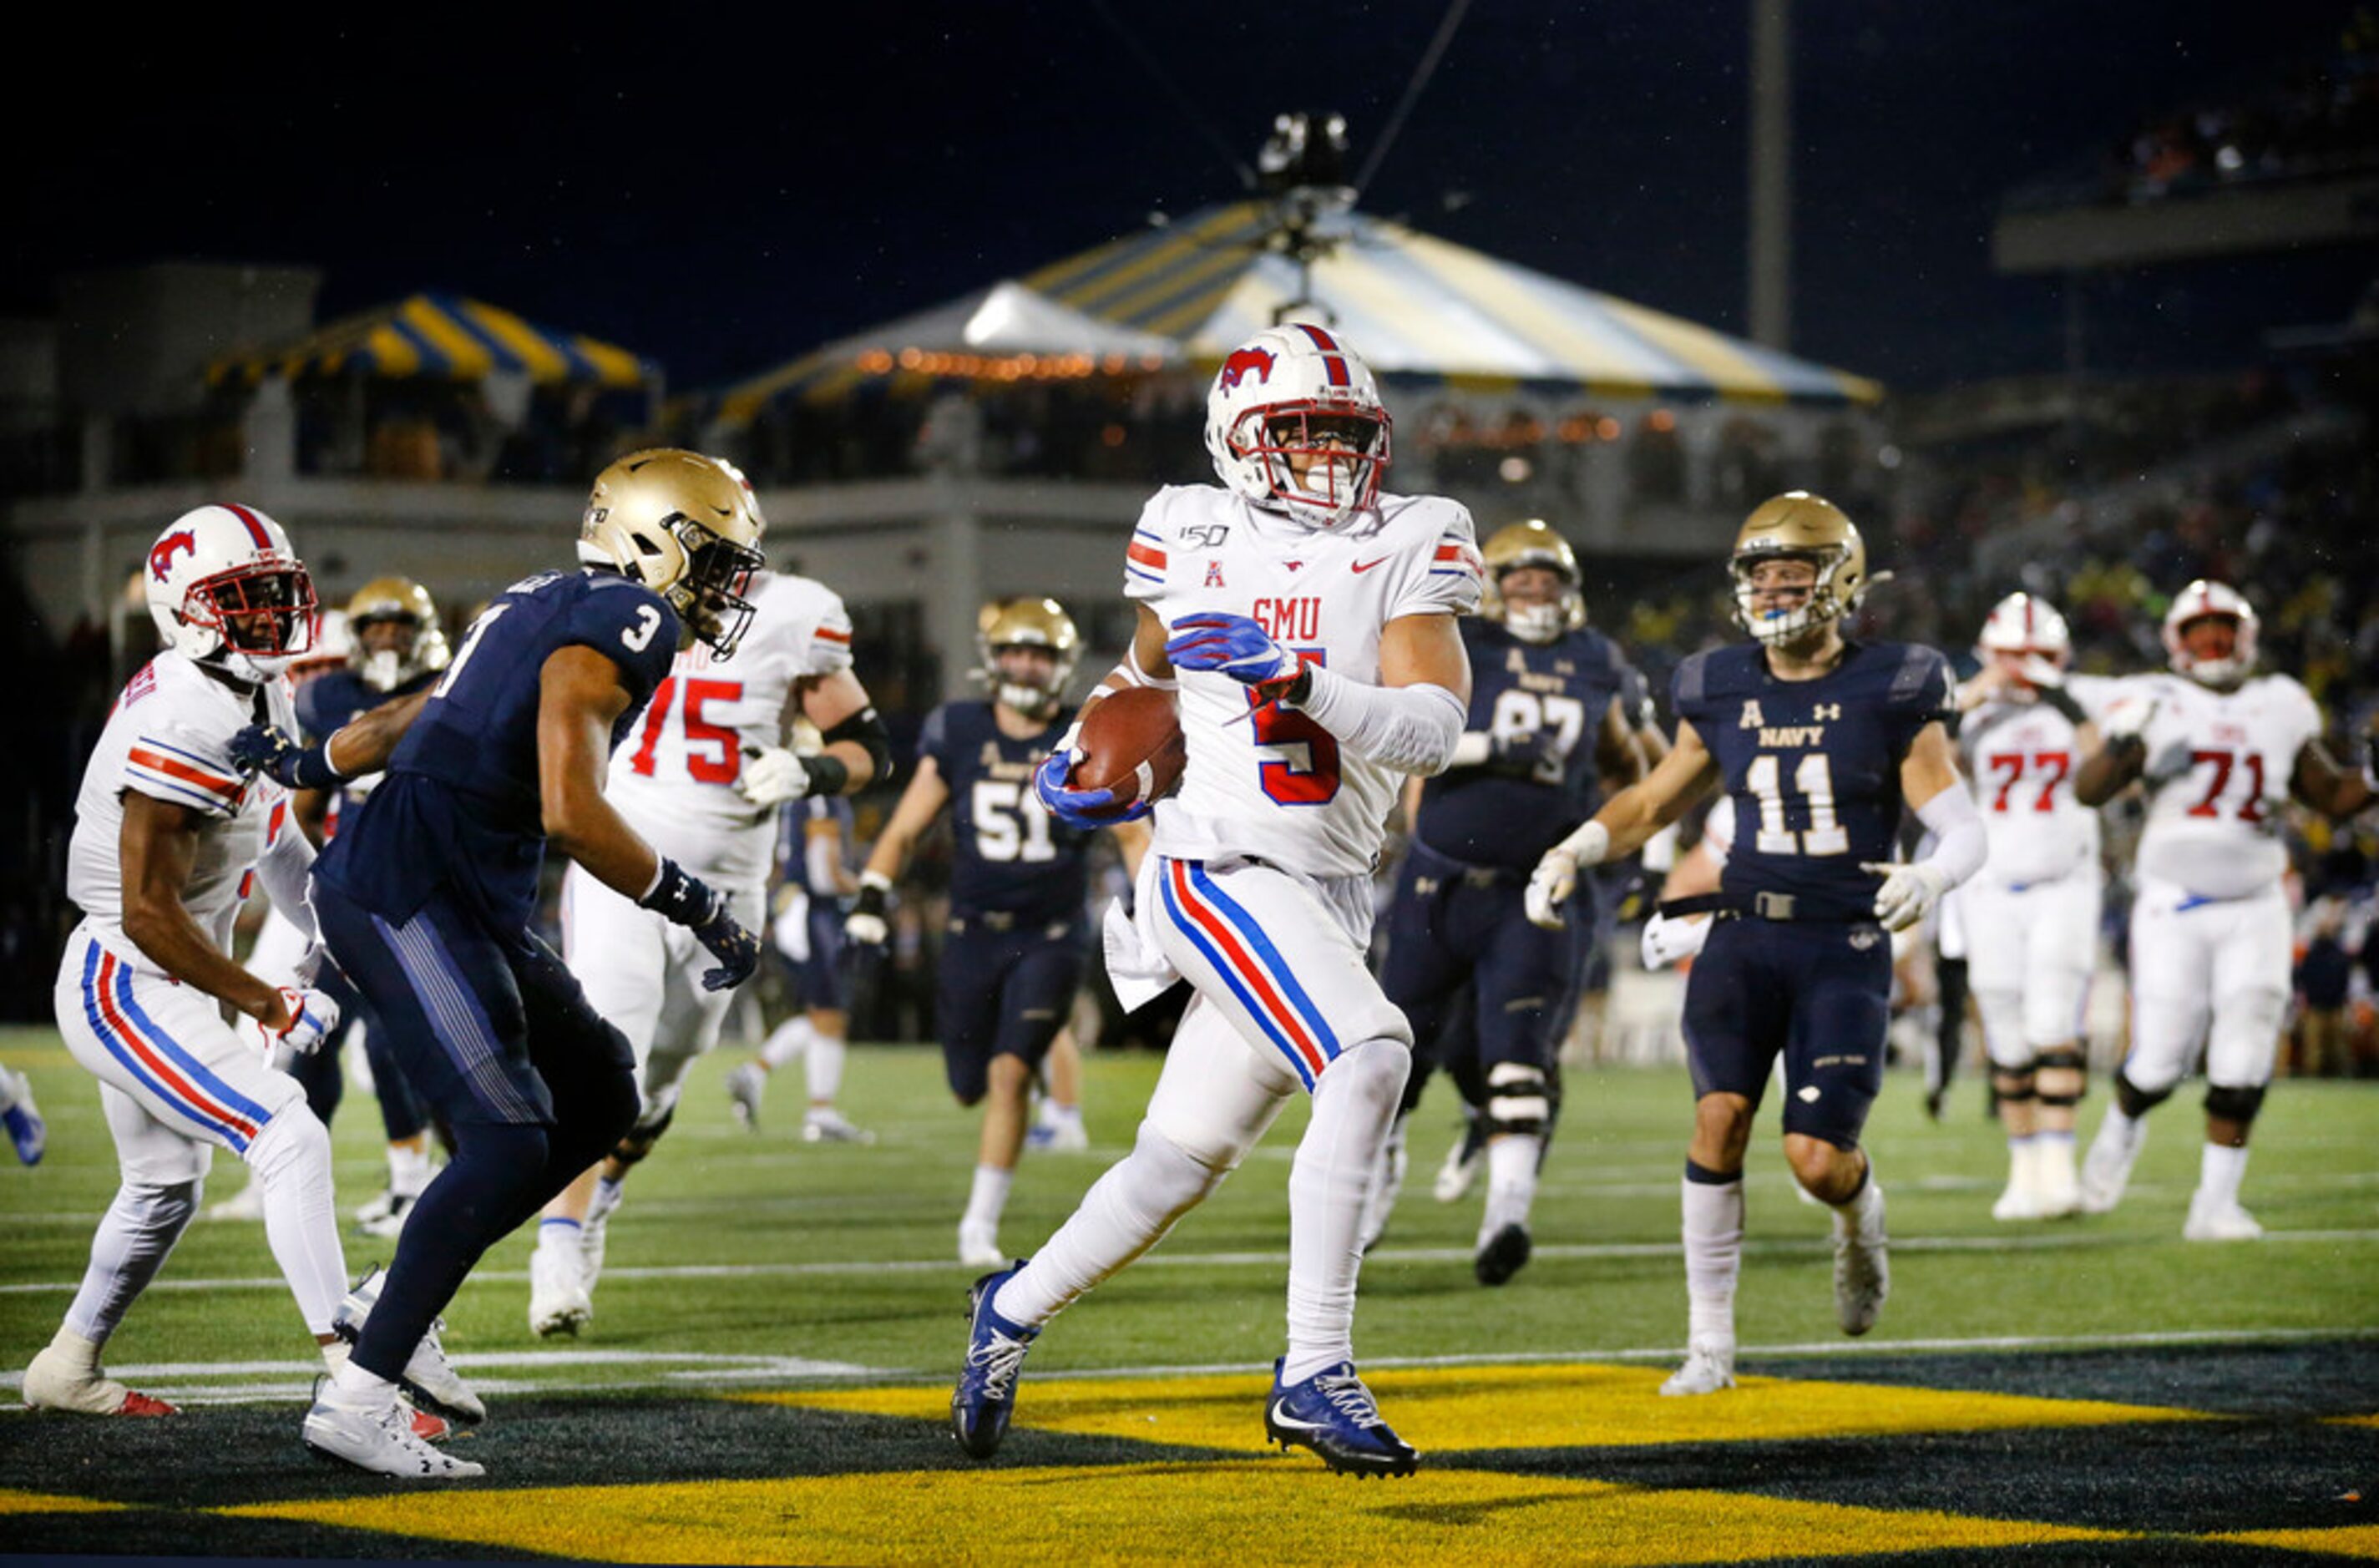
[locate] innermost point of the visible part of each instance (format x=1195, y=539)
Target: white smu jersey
x=1278, y=788
x=169, y=737
x=2214, y=824
x=2022, y=757
x=674, y=776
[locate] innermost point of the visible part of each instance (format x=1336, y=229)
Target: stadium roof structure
x=443, y=337
x=1421, y=311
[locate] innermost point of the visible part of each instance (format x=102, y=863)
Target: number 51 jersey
x=1274, y=786
x=2221, y=763
x=1813, y=766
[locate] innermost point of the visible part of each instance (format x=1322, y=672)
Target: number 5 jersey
x=2218, y=765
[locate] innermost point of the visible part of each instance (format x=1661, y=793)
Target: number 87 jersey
x=1813, y=766
x=2218, y=766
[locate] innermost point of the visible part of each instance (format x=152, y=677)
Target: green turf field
x=783, y=1315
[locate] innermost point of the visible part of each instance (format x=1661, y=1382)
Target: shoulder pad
x=1692, y=681
x=1923, y=677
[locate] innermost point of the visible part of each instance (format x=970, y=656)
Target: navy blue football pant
x=1005, y=990
x=533, y=1084
x=1816, y=992
x=401, y=1112
x=1469, y=971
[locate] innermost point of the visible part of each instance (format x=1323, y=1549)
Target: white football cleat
x=2106, y=1169
x=2056, y=1191
x=2018, y=1202
x=745, y=1085
x=427, y=1375
x=2224, y=1221
x=248, y=1203
x=595, y=1235
x=824, y=1124
x=389, y=1212
x=979, y=1246
x=57, y=1382
x=1862, y=1264
x=1461, y=1169
x=383, y=1441
x=1710, y=1367
x=558, y=1302
x=1065, y=1135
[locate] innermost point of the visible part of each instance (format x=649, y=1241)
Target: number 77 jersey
x=2022, y=757
x=2219, y=765
x=1813, y=766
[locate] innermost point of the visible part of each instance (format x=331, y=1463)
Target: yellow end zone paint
x=2349, y=1541
x=1459, y=1409
x=1277, y=1511
x=42, y=1502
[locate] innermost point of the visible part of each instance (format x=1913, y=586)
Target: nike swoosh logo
x=1367, y=565
x=1291, y=1422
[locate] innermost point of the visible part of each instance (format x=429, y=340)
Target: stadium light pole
x=1772, y=173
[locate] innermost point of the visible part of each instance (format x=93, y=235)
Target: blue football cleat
x=26, y=1131
x=985, y=1396
x=1332, y=1414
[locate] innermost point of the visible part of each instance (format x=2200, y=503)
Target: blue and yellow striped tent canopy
x=1422, y=311
x=441, y=336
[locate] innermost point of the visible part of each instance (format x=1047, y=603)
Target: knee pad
x=2233, y=1104
x=293, y=1142
x=2015, y=1084
x=2137, y=1101
x=1520, y=1099
x=2064, y=1060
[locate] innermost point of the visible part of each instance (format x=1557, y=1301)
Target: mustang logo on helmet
x=1243, y=360
x=161, y=559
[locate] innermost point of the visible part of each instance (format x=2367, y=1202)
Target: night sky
x=720, y=192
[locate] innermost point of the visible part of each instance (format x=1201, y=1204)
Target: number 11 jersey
x=1813, y=766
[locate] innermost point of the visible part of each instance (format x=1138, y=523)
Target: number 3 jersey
x=1010, y=858
x=2022, y=757
x=674, y=776
x=2219, y=765
x=1813, y=766
x=1274, y=786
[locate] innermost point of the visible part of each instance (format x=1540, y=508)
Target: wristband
x=873, y=887
x=827, y=775
x=678, y=897
x=2058, y=700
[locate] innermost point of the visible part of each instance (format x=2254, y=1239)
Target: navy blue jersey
x=794, y=839
x=1812, y=766
x=460, y=806
x=336, y=697
x=1011, y=857
x=1497, y=814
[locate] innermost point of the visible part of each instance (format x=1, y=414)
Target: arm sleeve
x=822, y=859
x=1411, y=729
x=1960, y=842
x=285, y=864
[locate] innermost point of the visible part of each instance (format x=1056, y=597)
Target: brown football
x=1131, y=744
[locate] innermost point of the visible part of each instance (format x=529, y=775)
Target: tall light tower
x=1772, y=173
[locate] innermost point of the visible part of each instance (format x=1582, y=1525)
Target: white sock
x=1054, y=1115
x=131, y=1243
x=9, y=1091
x=823, y=1067
x=79, y=1350
x=291, y=1159
x=559, y=1235
x=1353, y=1105
x=2022, y=1148
x=1859, y=1210
x=2120, y=1131
x=1127, y=1212
x=989, y=1199
x=408, y=1170
x=1511, y=1180
x=1713, y=1236
x=789, y=1040
x=354, y=1388
x=2219, y=1172
x=2052, y=1157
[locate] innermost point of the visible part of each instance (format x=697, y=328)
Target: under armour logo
x=1750, y=720
x=1213, y=575
x=1825, y=711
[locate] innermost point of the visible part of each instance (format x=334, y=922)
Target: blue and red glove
x=1240, y=648
x=1080, y=808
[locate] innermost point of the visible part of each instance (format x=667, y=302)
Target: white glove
x=2126, y=719
x=2042, y=672
x=1555, y=877
x=791, y=927
x=1908, y=891
x=867, y=928
x=773, y=776
x=312, y=1016
x=867, y=922
x=1667, y=940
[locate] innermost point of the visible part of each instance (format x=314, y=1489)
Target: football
x=1131, y=744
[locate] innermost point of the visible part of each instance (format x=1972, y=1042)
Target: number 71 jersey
x=1813, y=766
x=2223, y=761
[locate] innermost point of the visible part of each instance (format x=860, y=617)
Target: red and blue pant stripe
x=156, y=1060
x=1235, y=945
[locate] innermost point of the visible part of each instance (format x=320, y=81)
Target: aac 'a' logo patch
x=1213, y=575
x=1750, y=720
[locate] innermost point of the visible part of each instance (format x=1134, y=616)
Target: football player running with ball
x=1016, y=943
x=426, y=895
x=1819, y=741
x=1309, y=621
x=1547, y=721
x=700, y=777
x=2222, y=751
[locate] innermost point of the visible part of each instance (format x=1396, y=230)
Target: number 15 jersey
x=1274, y=786
x=2226, y=759
x=1813, y=766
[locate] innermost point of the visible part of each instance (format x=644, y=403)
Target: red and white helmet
x=2023, y=625
x=225, y=585
x=1295, y=391
x=2200, y=599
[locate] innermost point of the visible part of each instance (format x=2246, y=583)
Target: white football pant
x=2210, y=973
x=2029, y=954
